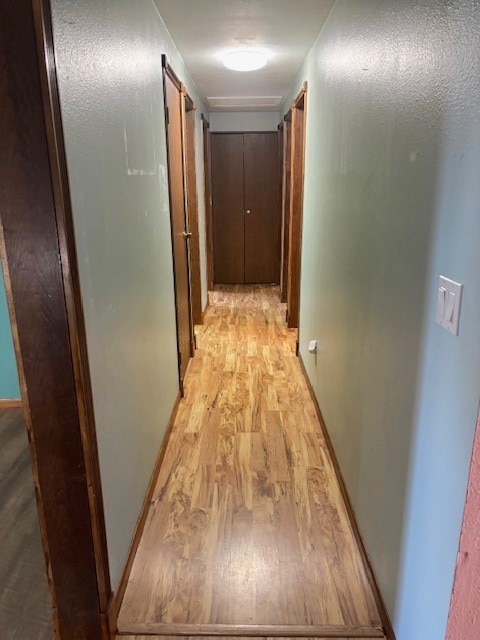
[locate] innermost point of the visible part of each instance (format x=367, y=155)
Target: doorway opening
x=180, y=129
x=292, y=205
x=193, y=244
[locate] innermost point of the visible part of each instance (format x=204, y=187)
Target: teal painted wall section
x=392, y=200
x=9, y=387
x=109, y=57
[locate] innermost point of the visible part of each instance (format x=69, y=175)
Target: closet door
x=261, y=180
x=228, y=208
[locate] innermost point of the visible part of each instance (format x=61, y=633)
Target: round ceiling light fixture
x=244, y=60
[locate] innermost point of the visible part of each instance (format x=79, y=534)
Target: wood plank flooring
x=247, y=525
x=25, y=609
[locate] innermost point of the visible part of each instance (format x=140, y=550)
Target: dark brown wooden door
x=228, y=208
x=286, y=184
x=245, y=192
x=178, y=221
x=260, y=154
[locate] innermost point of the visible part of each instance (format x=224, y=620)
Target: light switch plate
x=449, y=298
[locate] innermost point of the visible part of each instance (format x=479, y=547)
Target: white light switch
x=449, y=297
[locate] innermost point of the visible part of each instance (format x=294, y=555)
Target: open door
x=298, y=119
x=188, y=123
x=178, y=218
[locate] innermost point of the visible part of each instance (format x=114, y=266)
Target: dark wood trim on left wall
x=120, y=593
x=40, y=266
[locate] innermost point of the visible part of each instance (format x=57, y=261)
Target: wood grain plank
x=248, y=525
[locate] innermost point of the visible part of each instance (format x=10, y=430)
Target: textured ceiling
x=203, y=29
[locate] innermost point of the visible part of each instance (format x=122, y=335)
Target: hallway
x=288, y=494
x=247, y=525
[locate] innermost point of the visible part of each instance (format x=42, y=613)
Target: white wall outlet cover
x=312, y=346
x=449, y=298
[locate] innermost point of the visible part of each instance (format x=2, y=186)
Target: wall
x=110, y=78
x=392, y=200
x=9, y=387
x=244, y=121
x=464, y=617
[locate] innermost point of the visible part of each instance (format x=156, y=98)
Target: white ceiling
x=204, y=29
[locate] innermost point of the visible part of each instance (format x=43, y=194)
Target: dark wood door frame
x=41, y=276
x=191, y=205
x=286, y=192
x=207, y=168
x=299, y=107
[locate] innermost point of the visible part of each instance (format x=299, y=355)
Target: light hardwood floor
x=247, y=525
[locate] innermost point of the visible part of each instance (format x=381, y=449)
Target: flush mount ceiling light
x=244, y=60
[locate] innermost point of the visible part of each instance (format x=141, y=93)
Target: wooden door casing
x=173, y=103
x=260, y=153
x=228, y=208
